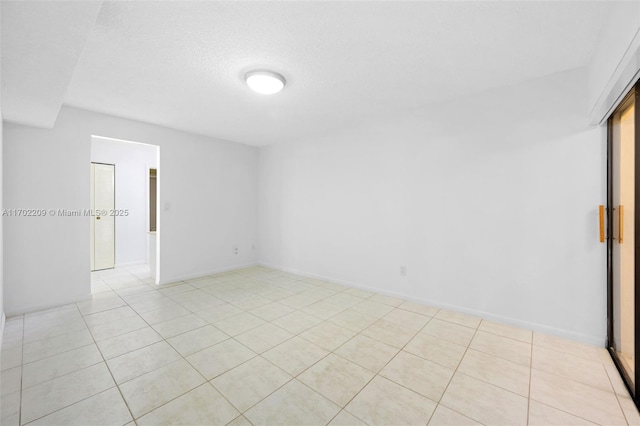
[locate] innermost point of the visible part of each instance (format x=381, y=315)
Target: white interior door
x=102, y=222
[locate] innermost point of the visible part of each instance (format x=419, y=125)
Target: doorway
x=136, y=245
x=624, y=242
x=103, y=237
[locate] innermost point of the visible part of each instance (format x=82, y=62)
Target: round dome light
x=265, y=82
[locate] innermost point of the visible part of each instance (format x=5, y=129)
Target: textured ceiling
x=181, y=64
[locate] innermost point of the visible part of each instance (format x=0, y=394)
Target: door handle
x=601, y=213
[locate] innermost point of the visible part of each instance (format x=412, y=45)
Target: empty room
x=319, y=213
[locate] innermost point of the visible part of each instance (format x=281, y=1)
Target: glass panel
x=623, y=233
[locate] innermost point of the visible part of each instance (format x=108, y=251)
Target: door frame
x=632, y=385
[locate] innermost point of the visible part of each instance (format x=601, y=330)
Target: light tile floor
x=261, y=346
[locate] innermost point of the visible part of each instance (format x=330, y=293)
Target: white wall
x=616, y=60
x=211, y=186
x=132, y=161
x=489, y=201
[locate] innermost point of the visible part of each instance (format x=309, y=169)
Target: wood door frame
x=632, y=385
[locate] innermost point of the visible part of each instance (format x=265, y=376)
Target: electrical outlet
x=235, y=250
x=403, y=271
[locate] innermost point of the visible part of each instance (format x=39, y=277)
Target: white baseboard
x=171, y=280
x=599, y=341
x=41, y=307
x=44, y=306
x=124, y=265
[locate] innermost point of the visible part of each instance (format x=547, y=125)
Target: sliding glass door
x=623, y=244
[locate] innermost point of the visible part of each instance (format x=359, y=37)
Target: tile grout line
x=187, y=361
x=71, y=405
x=573, y=380
x=155, y=369
x=618, y=397
x=164, y=340
x=530, y=372
x=294, y=335
x=564, y=411
x=63, y=375
x=455, y=371
x=276, y=366
x=612, y=391
x=59, y=353
x=376, y=374
x=107, y=366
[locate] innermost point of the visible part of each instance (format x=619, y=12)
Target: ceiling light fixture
x=265, y=82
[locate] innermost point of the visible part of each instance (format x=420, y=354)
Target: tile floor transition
x=260, y=346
